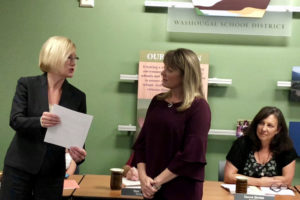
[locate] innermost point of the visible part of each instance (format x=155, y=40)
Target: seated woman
x=130, y=172
x=70, y=165
x=265, y=154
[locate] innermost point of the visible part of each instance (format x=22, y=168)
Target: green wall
x=109, y=38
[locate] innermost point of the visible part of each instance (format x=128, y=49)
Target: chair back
x=221, y=170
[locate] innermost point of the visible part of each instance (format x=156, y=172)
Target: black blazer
x=28, y=151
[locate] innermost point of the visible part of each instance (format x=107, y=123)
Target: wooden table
x=68, y=193
x=212, y=190
x=98, y=187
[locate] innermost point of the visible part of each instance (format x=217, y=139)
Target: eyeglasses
x=70, y=58
x=278, y=188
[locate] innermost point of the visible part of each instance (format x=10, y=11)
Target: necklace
x=172, y=101
x=263, y=161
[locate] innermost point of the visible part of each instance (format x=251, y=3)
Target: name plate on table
x=239, y=196
x=131, y=191
x=272, y=24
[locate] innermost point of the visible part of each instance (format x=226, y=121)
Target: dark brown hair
x=281, y=141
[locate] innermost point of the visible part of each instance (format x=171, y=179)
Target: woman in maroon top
x=170, y=150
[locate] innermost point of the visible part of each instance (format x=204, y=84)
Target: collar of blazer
x=65, y=96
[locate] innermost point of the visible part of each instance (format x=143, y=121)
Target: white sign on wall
x=272, y=24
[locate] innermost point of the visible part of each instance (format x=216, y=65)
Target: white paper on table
x=129, y=183
x=73, y=129
x=268, y=191
x=253, y=190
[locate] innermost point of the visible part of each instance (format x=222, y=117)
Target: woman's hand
x=77, y=154
x=164, y=177
x=147, y=189
x=268, y=181
x=49, y=119
x=132, y=174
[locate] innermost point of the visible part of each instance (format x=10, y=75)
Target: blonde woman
x=34, y=169
x=170, y=150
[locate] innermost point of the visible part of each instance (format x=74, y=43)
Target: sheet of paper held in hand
x=73, y=129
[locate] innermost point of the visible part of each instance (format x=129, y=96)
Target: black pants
x=20, y=185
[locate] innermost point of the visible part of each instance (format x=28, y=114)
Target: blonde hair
x=187, y=62
x=54, y=53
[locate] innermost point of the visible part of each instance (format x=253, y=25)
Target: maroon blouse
x=177, y=141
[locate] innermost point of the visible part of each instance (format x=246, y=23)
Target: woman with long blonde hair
x=170, y=150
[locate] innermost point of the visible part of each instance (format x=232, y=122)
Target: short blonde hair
x=187, y=62
x=55, y=52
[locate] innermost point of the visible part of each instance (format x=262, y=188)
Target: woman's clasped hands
x=148, y=186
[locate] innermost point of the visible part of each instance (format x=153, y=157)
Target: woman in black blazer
x=34, y=169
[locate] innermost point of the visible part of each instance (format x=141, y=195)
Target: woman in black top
x=265, y=154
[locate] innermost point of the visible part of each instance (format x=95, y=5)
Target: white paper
x=129, y=183
x=268, y=191
x=253, y=190
x=73, y=129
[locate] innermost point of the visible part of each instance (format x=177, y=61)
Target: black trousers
x=20, y=185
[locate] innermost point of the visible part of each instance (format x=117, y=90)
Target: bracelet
x=156, y=186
